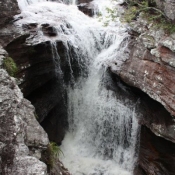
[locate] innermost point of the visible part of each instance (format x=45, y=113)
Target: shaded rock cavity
x=156, y=155
x=43, y=81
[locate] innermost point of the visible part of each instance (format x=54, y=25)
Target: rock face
x=22, y=139
x=8, y=10
x=168, y=7
x=150, y=67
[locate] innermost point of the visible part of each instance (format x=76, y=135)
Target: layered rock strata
x=150, y=67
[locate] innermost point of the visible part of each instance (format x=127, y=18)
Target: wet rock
x=49, y=30
x=157, y=80
x=38, y=81
x=86, y=7
x=31, y=27
x=84, y=1
x=59, y=169
x=149, y=112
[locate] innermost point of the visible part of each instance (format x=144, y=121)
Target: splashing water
x=103, y=130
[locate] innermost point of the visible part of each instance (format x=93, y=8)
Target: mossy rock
x=10, y=66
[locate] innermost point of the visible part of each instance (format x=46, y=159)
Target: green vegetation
x=160, y=21
x=36, y=116
x=149, y=12
x=53, y=151
x=10, y=66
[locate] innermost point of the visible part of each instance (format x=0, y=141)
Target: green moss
x=10, y=66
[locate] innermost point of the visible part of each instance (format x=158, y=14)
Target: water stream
x=103, y=130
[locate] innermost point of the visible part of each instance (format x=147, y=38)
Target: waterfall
x=56, y=59
x=103, y=129
x=24, y=3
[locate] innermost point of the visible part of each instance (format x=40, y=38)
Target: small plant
x=160, y=21
x=53, y=152
x=10, y=66
x=36, y=116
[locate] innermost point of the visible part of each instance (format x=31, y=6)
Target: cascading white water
x=102, y=129
x=24, y=3
x=56, y=59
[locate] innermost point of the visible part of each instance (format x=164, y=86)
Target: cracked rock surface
x=19, y=130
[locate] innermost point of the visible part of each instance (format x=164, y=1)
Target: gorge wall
x=150, y=68
x=20, y=144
